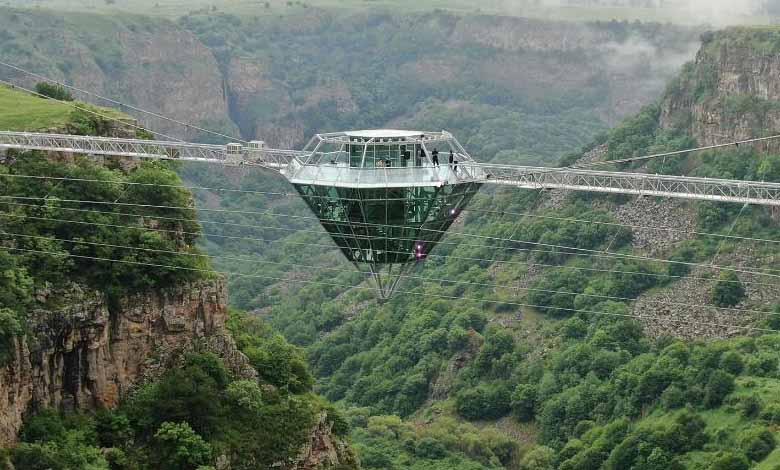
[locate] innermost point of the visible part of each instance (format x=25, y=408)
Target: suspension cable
x=568, y=250
x=90, y=111
x=346, y=286
x=677, y=152
x=125, y=105
x=499, y=212
x=403, y=276
x=331, y=247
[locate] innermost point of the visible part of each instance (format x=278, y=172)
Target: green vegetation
x=570, y=11
x=21, y=111
x=56, y=92
x=194, y=413
x=388, y=442
x=50, y=241
x=761, y=39
x=728, y=291
x=574, y=371
x=185, y=421
x=25, y=112
x=439, y=376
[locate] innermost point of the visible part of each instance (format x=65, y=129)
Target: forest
x=519, y=353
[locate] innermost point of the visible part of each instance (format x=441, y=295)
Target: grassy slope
x=21, y=111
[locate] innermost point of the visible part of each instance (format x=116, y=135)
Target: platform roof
x=386, y=133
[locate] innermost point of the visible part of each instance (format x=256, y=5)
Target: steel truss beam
x=225, y=154
x=706, y=189
x=255, y=153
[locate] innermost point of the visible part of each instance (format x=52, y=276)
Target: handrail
x=644, y=184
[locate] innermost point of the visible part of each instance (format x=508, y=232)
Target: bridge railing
x=707, y=189
x=227, y=154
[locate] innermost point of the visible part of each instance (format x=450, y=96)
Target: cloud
x=691, y=12
x=723, y=12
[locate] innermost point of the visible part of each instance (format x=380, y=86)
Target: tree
x=732, y=362
x=718, y=386
x=178, y=447
x=430, y=448
x=673, y=397
x=190, y=394
x=483, y=402
x=10, y=327
x=245, y=394
x=757, y=443
x=728, y=291
x=53, y=91
x=538, y=458
x=730, y=461
x=524, y=402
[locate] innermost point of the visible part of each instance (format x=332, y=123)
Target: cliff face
x=324, y=450
x=85, y=353
x=152, y=64
x=277, y=90
x=731, y=91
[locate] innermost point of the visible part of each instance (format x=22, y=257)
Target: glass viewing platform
x=382, y=195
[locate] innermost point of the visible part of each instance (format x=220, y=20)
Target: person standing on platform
x=435, y=155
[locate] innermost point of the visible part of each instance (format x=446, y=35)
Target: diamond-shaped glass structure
x=382, y=196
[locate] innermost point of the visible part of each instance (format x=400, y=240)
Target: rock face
x=85, y=352
x=323, y=450
x=151, y=64
x=731, y=92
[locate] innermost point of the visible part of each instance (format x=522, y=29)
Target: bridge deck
x=707, y=189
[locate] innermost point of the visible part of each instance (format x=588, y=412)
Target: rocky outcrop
x=684, y=309
x=86, y=352
x=731, y=91
x=323, y=450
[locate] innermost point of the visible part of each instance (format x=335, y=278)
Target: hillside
x=516, y=353
x=281, y=79
x=117, y=349
x=573, y=383
x=689, y=12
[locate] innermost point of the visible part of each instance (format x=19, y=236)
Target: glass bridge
x=382, y=197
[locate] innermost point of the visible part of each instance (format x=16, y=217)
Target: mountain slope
x=116, y=345
x=592, y=388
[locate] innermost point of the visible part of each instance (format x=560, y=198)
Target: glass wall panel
x=387, y=225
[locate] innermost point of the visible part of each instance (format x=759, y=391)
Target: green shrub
x=10, y=328
x=771, y=414
x=53, y=91
x=524, y=401
x=728, y=291
x=749, y=406
x=178, y=447
x=483, y=402
x=732, y=362
x=718, y=387
x=673, y=397
x=430, y=448
x=757, y=443
x=730, y=461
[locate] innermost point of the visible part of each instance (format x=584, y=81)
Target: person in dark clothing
x=422, y=157
x=435, y=155
x=452, y=158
